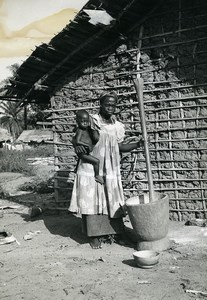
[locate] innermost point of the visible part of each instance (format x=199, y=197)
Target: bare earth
x=57, y=262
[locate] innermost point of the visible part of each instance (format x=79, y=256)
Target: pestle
x=149, y=215
x=138, y=83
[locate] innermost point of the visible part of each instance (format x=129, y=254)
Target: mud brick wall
x=169, y=52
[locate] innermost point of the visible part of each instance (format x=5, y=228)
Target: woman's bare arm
x=130, y=146
x=93, y=131
x=94, y=135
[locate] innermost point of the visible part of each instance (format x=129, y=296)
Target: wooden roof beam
x=78, y=48
x=86, y=28
x=36, y=58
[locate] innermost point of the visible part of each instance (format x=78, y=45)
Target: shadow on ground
x=66, y=225
x=58, y=223
x=62, y=223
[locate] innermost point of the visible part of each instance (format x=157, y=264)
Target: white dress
x=90, y=197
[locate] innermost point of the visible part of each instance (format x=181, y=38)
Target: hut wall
x=169, y=52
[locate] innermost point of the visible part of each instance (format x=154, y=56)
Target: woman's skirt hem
x=98, y=225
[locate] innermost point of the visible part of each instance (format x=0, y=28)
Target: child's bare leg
x=95, y=162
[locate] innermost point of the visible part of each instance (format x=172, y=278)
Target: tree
x=11, y=118
x=37, y=114
x=6, y=88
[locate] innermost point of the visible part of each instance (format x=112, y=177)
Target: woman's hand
x=140, y=143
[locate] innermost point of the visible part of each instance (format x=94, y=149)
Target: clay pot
x=146, y=259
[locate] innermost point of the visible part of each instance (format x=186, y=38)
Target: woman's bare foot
x=99, y=179
x=95, y=243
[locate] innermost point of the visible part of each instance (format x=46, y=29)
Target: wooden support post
x=55, y=152
x=25, y=116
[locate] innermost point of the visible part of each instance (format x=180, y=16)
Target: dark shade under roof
x=78, y=43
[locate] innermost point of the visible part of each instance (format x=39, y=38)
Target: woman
x=101, y=205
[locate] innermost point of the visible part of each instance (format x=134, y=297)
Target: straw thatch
x=80, y=41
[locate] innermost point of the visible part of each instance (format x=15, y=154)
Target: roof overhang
x=78, y=44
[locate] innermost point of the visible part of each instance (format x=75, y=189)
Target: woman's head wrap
x=107, y=95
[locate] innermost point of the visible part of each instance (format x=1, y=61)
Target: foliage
x=36, y=114
x=16, y=161
x=38, y=185
x=11, y=115
x=7, y=85
x=39, y=151
x=11, y=118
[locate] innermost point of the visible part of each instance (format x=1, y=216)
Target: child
x=87, y=137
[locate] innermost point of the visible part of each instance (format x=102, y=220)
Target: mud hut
x=165, y=43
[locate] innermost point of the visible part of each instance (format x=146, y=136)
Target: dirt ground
x=57, y=262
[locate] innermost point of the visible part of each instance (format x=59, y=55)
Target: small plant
x=37, y=185
x=14, y=161
x=39, y=151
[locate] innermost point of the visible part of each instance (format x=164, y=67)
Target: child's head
x=82, y=119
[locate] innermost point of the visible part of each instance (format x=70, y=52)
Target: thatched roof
x=5, y=135
x=77, y=45
x=35, y=135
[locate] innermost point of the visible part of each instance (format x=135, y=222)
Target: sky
x=25, y=24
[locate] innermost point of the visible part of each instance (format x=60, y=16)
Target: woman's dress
x=90, y=197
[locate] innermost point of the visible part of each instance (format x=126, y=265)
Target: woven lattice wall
x=169, y=52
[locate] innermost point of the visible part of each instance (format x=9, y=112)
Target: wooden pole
x=138, y=83
x=25, y=116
